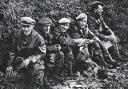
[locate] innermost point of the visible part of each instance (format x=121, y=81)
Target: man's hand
x=79, y=42
x=91, y=41
x=25, y=62
x=9, y=71
x=112, y=39
x=34, y=58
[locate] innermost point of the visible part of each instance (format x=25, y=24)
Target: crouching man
x=108, y=40
x=26, y=55
x=54, y=56
x=63, y=38
x=88, y=46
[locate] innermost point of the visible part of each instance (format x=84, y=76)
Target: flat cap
x=45, y=21
x=27, y=21
x=95, y=4
x=64, y=20
x=81, y=16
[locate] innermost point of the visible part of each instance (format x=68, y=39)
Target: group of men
x=40, y=50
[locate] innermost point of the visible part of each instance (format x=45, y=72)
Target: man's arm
x=92, y=36
x=68, y=41
x=112, y=36
x=40, y=52
x=55, y=47
x=63, y=40
x=108, y=28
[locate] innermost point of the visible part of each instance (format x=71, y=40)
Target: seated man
x=54, y=57
x=83, y=52
x=104, y=33
x=63, y=38
x=26, y=53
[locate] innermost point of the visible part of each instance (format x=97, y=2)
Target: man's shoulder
x=35, y=34
x=55, y=31
x=74, y=28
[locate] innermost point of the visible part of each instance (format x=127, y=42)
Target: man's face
x=27, y=29
x=99, y=10
x=46, y=28
x=82, y=23
x=64, y=27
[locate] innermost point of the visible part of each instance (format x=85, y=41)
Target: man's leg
x=114, y=50
x=107, y=55
x=69, y=63
x=59, y=63
x=98, y=55
x=38, y=75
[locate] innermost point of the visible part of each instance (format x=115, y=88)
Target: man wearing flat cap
x=107, y=37
x=54, y=56
x=66, y=42
x=26, y=55
x=89, y=40
x=97, y=5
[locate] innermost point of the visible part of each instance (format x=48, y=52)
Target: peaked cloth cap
x=64, y=20
x=27, y=21
x=81, y=16
x=95, y=4
x=45, y=21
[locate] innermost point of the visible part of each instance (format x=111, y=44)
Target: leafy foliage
x=116, y=12
x=116, y=16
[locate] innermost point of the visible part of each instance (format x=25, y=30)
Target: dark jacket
x=49, y=39
x=52, y=51
x=101, y=29
x=65, y=40
x=85, y=33
x=26, y=46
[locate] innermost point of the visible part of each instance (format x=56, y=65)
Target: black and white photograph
x=63, y=44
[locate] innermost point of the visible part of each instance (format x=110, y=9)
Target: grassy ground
x=113, y=79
